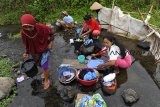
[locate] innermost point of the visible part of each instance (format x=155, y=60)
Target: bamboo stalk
x=141, y=16
x=150, y=9
x=113, y=3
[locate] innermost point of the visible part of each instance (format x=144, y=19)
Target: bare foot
x=46, y=84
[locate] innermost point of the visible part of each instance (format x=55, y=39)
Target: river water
x=30, y=93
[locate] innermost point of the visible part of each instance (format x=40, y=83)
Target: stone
x=66, y=92
x=156, y=75
x=6, y=84
x=130, y=96
x=144, y=45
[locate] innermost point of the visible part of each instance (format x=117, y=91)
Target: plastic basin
x=87, y=83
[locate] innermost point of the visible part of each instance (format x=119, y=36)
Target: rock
x=6, y=84
x=130, y=96
x=66, y=92
x=156, y=75
x=144, y=45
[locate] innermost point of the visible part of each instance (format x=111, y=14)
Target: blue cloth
x=94, y=63
x=83, y=100
x=68, y=19
x=78, y=30
x=64, y=71
x=89, y=41
x=99, y=104
x=89, y=76
x=45, y=56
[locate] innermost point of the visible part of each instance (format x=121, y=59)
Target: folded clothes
x=89, y=41
x=109, y=77
x=95, y=101
x=108, y=83
x=90, y=76
x=94, y=63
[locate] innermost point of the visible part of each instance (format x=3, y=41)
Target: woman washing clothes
x=37, y=40
x=91, y=28
x=68, y=21
x=117, y=55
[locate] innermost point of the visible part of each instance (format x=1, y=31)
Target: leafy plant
x=14, y=36
x=5, y=67
x=5, y=71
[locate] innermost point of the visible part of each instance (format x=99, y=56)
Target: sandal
x=46, y=85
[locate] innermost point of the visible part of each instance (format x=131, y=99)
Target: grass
x=5, y=67
x=14, y=36
x=13, y=17
x=10, y=17
x=5, y=71
x=76, y=13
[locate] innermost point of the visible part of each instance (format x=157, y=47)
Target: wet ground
x=31, y=94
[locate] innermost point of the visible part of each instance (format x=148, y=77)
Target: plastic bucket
x=87, y=83
x=109, y=89
x=72, y=70
x=81, y=58
x=29, y=68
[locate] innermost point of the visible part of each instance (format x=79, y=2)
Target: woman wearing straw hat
x=67, y=22
x=96, y=7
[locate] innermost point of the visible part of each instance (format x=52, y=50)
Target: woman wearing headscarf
x=37, y=40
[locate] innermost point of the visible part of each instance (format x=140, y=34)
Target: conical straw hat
x=96, y=6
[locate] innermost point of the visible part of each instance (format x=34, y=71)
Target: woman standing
x=37, y=40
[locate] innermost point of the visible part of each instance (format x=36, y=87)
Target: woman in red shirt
x=90, y=27
x=37, y=40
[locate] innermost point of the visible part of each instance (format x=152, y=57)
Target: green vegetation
x=5, y=71
x=5, y=67
x=49, y=10
x=14, y=36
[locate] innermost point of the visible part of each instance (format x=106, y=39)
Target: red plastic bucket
x=110, y=89
x=87, y=83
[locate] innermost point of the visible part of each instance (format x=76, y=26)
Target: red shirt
x=93, y=24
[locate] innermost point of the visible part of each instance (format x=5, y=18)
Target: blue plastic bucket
x=81, y=58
